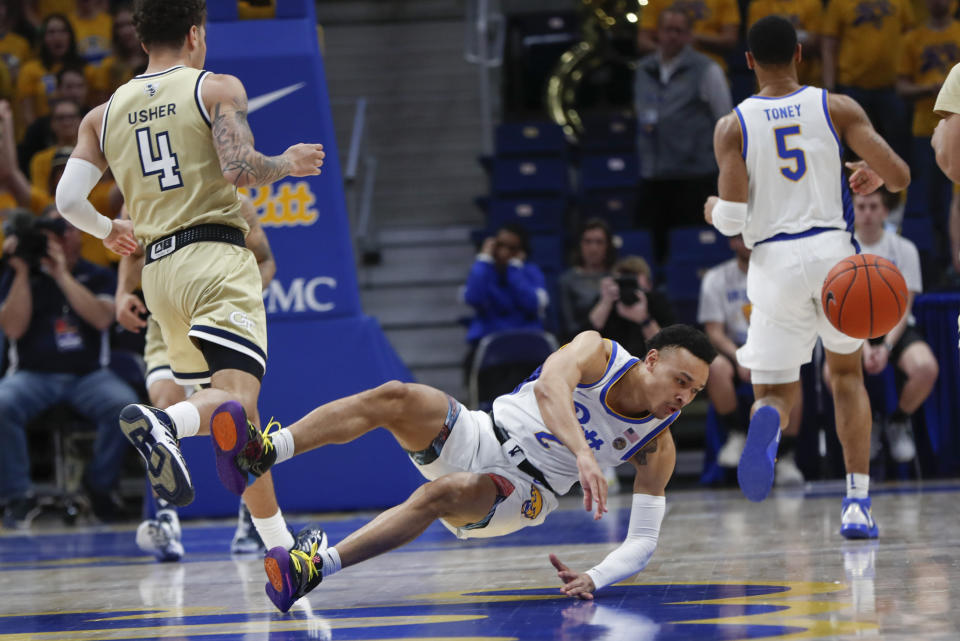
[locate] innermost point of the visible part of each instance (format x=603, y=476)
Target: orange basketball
x=864, y=296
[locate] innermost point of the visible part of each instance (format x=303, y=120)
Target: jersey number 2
x=164, y=162
x=796, y=155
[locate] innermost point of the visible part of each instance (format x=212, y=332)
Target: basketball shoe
x=243, y=452
x=757, y=463
x=161, y=536
x=856, y=520
x=152, y=433
x=293, y=573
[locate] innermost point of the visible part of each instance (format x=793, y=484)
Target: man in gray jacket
x=679, y=95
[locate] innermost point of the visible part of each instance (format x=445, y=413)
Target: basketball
x=864, y=296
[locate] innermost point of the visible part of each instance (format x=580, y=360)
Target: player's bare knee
x=390, y=399
x=448, y=494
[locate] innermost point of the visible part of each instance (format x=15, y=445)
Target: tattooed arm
x=242, y=165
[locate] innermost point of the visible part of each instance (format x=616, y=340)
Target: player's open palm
x=305, y=159
x=578, y=584
x=593, y=483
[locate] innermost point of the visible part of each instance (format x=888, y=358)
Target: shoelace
x=268, y=445
x=297, y=555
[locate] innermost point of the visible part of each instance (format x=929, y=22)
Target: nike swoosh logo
x=262, y=101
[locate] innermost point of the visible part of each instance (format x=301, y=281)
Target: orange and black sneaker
x=293, y=573
x=243, y=452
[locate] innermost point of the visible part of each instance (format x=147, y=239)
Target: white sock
x=273, y=530
x=331, y=561
x=858, y=486
x=185, y=417
x=283, y=441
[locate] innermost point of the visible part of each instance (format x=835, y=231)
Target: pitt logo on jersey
x=532, y=506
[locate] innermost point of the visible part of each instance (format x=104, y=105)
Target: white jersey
x=723, y=299
x=614, y=438
x=793, y=157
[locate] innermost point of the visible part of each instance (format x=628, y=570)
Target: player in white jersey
x=782, y=186
x=590, y=404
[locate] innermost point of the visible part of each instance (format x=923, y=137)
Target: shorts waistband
x=813, y=231
x=209, y=232
x=524, y=465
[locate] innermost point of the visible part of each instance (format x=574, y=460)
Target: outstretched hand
x=578, y=584
x=863, y=180
x=593, y=483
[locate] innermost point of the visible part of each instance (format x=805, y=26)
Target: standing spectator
x=724, y=311
x=15, y=189
x=37, y=79
x=929, y=51
x=806, y=16
x=93, y=26
x=715, y=25
x=127, y=59
x=628, y=309
x=71, y=85
x=506, y=293
x=903, y=345
x=679, y=94
x=14, y=48
x=56, y=311
x=580, y=285
x=65, y=116
x=861, y=49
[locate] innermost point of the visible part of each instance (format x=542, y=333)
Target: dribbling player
x=782, y=186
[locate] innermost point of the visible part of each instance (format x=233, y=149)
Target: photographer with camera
x=55, y=310
x=628, y=310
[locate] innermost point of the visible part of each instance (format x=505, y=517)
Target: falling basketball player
x=781, y=185
x=590, y=404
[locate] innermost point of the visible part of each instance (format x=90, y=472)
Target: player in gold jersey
x=178, y=143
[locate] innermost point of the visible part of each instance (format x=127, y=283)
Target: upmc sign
x=300, y=295
x=320, y=346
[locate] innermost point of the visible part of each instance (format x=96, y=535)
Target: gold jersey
x=156, y=138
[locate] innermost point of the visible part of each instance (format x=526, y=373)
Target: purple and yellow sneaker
x=243, y=452
x=293, y=573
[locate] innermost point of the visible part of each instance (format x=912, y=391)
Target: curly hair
x=167, y=22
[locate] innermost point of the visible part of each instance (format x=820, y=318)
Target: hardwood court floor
x=725, y=569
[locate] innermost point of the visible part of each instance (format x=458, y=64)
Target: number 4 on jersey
x=164, y=162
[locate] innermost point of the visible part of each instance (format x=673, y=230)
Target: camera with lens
x=628, y=289
x=31, y=237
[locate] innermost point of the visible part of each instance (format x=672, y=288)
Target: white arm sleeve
x=729, y=217
x=633, y=554
x=79, y=178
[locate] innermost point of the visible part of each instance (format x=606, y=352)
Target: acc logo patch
x=532, y=506
x=150, y=89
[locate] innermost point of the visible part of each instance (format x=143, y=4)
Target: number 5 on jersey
x=164, y=162
x=796, y=155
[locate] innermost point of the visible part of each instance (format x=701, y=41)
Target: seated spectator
x=36, y=82
x=903, y=346
x=65, y=120
x=56, y=310
x=93, y=26
x=724, y=311
x=72, y=86
x=127, y=59
x=679, y=94
x=628, y=309
x=506, y=293
x=579, y=286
